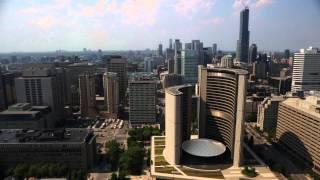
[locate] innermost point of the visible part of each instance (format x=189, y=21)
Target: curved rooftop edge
x=233, y=70
x=204, y=147
x=175, y=90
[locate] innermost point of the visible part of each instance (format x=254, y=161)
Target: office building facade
x=189, y=65
x=119, y=65
x=111, y=92
x=142, y=102
x=253, y=52
x=298, y=129
x=87, y=94
x=39, y=86
x=305, y=75
x=268, y=113
x=222, y=106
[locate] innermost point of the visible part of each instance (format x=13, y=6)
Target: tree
x=132, y=160
x=147, y=133
x=114, y=176
x=252, y=117
x=113, y=153
x=21, y=170
x=156, y=132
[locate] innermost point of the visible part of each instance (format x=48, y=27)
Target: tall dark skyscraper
x=243, y=42
x=287, y=54
x=253, y=53
x=160, y=52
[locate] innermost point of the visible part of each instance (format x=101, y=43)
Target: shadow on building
x=297, y=151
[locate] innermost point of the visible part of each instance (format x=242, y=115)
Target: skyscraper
x=160, y=50
x=40, y=86
x=177, y=62
x=189, y=65
x=170, y=44
x=306, y=65
x=178, y=120
x=214, y=49
x=142, y=102
x=119, y=65
x=287, y=54
x=243, y=42
x=253, y=52
x=111, y=92
x=222, y=102
x=170, y=66
x=148, y=64
x=177, y=45
x=2, y=94
x=87, y=94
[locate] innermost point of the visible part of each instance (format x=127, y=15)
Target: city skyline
x=119, y=25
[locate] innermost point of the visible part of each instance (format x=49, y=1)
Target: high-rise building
x=268, y=113
x=298, y=129
x=40, y=86
x=160, y=50
x=87, y=94
x=148, y=64
x=226, y=61
x=222, y=107
x=119, y=65
x=177, y=45
x=306, y=65
x=111, y=92
x=169, y=54
x=169, y=80
x=170, y=66
x=214, y=49
x=142, y=102
x=259, y=69
x=188, y=46
x=287, y=54
x=253, y=52
x=2, y=94
x=178, y=119
x=170, y=44
x=63, y=76
x=189, y=65
x=243, y=42
x=177, y=62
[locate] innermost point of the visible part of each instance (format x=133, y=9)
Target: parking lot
x=109, y=131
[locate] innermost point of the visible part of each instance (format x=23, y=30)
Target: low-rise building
x=25, y=116
x=74, y=148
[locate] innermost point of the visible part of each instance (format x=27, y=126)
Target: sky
x=49, y=25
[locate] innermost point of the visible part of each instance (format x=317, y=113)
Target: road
x=270, y=152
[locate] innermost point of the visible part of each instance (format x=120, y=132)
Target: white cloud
x=189, y=7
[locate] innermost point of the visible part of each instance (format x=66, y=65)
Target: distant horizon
x=45, y=26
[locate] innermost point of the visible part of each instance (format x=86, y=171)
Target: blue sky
x=48, y=25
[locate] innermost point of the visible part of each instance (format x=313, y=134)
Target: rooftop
x=8, y=136
x=309, y=105
x=175, y=90
x=233, y=70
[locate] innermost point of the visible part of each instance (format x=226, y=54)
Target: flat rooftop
x=22, y=136
x=304, y=106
